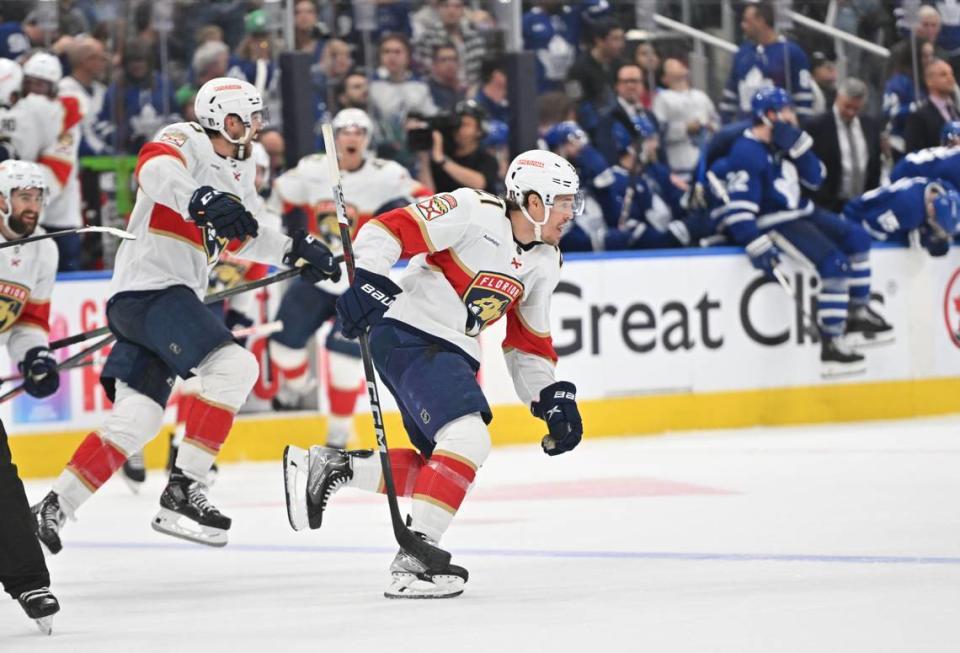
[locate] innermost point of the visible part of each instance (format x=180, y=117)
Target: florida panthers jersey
x=933, y=163
x=170, y=249
x=891, y=212
x=27, y=273
x=466, y=273
x=762, y=188
x=368, y=190
x=756, y=66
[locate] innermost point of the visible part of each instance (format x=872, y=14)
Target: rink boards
x=655, y=341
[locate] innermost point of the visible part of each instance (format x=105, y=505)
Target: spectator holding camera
x=454, y=158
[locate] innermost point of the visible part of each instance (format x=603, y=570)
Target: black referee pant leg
x=22, y=566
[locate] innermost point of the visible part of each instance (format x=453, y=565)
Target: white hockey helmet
x=546, y=174
x=11, y=79
x=224, y=96
x=45, y=66
x=358, y=118
x=19, y=174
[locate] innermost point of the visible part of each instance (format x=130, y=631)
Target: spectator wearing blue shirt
x=492, y=94
x=444, y=82
x=550, y=32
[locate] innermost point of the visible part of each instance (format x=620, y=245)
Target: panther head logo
x=488, y=308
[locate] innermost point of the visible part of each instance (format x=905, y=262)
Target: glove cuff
x=759, y=245
x=802, y=146
x=382, y=282
x=559, y=391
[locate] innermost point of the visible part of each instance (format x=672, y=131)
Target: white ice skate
x=412, y=579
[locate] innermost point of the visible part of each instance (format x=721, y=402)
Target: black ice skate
x=838, y=359
x=134, y=472
x=185, y=512
x=40, y=605
x=866, y=328
x=50, y=519
x=413, y=579
x=310, y=479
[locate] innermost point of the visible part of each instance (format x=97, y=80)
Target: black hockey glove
x=223, y=212
x=558, y=408
x=792, y=140
x=365, y=302
x=40, y=375
x=321, y=263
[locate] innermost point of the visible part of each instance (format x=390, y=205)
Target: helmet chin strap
x=243, y=145
x=537, y=226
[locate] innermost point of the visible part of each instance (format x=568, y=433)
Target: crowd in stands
x=625, y=113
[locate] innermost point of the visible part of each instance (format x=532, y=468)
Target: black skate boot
x=866, y=327
x=134, y=472
x=50, y=519
x=40, y=605
x=838, y=359
x=186, y=512
x=413, y=579
x=311, y=478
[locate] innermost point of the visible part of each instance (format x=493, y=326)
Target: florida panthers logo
x=488, y=298
x=328, y=226
x=212, y=244
x=228, y=273
x=13, y=297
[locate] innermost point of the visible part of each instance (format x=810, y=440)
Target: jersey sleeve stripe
x=453, y=269
x=164, y=221
x=36, y=314
x=71, y=112
x=61, y=168
x=410, y=231
x=152, y=150
x=522, y=338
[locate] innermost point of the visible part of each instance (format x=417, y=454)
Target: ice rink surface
x=814, y=539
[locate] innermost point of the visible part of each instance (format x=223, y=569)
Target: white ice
x=815, y=539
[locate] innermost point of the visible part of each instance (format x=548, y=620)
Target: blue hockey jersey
x=891, y=212
x=761, y=188
x=756, y=66
x=899, y=101
x=933, y=163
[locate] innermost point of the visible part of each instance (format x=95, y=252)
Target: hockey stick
x=434, y=557
x=113, y=231
x=781, y=278
x=66, y=364
x=209, y=299
x=255, y=330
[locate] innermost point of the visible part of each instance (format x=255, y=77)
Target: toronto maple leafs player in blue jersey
x=766, y=59
x=761, y=208
x=941, y=162
x=892, y=213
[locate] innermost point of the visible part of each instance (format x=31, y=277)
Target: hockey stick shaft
x=209, y=299
x=65, y=364
x=119, y=233
x=246, y=332
x=434, y=557
x=791, y=291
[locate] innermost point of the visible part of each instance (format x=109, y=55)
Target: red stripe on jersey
x=422, y=191
x=407, y=229
x=71, y=112
x=256, y=272
x=444, y=481
x=36, y=314
x=61, y=169
x=458, y=276
x=95, y=461
x=519, y=336
x=152, y=150
x=168, y=222
x=407, y=465
x=235, y=245
x=208, y=425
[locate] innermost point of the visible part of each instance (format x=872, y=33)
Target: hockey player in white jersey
x=27, y=275
x=476, y=259
x=370, y=186
x=196, y=189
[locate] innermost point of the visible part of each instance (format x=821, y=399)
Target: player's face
x=351, y=142
x=27, y=203
x=560, y=214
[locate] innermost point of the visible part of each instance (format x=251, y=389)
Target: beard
x=24, y=224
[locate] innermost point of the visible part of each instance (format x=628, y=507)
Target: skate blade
x=864, y=341
x=840, y=370
x=169, y=523
x=411, y=586
x=45, y=624
x=296, y=468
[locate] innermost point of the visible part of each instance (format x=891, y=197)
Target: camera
x=420, y=139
